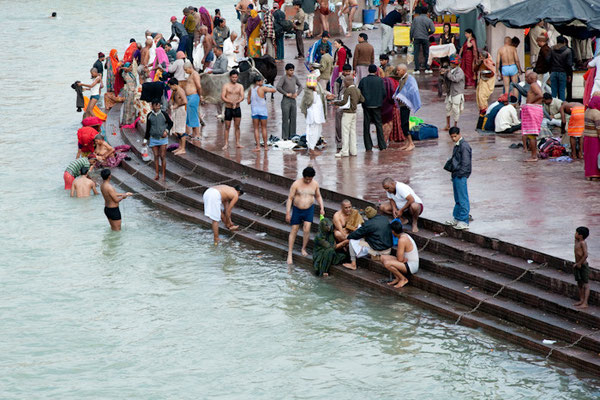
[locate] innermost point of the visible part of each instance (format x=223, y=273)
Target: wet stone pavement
x=536, y=205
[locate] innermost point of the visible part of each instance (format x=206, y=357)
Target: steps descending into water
x=538, y=302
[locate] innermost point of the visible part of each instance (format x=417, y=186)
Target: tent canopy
x=556, y=12
x=464, y=6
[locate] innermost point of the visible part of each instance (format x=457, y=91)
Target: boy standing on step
x=581, y=269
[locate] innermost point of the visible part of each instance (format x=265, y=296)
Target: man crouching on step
x=218, y=202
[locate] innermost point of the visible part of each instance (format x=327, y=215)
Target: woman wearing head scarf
x=128, y=93
x=253, y=34
x=161, y=64
x=468, y=55
x=390, y=114
x=591, y=142
x=128, y=56
x=324, y=252
x=206, y=19
x=485, y=68
x=114, y=81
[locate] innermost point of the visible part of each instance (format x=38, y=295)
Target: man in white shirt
x=404, y=202
x=507, y=120
x=230, y=50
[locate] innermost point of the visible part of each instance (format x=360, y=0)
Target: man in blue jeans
x=421, y=28
x=561, y=61
x=460, y=167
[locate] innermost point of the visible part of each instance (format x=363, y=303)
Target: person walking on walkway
x=373, y=91
x=298, y=21
x=422, y=27
x=290, y=87
x=348, y=104
x=460, y=167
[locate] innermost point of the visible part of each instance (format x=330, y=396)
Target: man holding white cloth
x=218, y=202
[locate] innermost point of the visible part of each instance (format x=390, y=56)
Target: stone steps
x=370, y=273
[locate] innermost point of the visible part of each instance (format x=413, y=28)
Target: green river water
x=155, y=311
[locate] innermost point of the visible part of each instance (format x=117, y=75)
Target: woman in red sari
x=390, y=114
x=114, y=80
x=468, y=55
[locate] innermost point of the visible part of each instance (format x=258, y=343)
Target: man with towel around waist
x=575, y=127
x=532, y=115
x=178, y=103
x=218, y=203
x=300, y=209
x=193, y=91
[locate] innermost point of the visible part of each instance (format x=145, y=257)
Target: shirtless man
x=349, y=7
x=406, y=261
x=193, y=91
x=111, y=201
x=232, y=95
x=208, y=43
x=324, y=14
x=145, y=56
x=532, y=115
x=342, y=224
x=177, y=103
x=575, y=127
x=242, y=8
x=103, y=150
x=300, y=209
x=83, y=184
x=511, y=66
x=218, y=202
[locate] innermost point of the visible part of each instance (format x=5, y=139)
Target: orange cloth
x=114, y=61
x=577, y=121
x=128, y=56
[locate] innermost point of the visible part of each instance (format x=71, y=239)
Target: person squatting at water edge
x=300, y=209
x=112, y=200
x=218, y=203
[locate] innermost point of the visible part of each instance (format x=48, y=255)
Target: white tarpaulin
x=464, y=6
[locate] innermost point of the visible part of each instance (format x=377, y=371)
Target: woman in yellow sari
x=253, y=34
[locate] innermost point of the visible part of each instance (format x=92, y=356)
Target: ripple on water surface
x=155, y=311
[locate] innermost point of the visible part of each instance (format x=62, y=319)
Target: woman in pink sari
x=161, y=61
x=390, y=114
x=468, y=55
x=206, y=19
x=591, y=142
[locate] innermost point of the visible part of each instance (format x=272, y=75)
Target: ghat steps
x=458, y=270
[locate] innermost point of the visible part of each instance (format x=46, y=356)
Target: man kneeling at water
x=83, y=185
x=406, y=261
x=111, y=201
x=374, y=237
x=218, y=202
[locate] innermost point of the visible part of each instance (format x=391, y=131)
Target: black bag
x=306, y=26
x=448, y=166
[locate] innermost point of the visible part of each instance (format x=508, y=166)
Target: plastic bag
x=410, y=54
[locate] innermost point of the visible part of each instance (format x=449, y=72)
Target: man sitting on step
x=374, y=237
x=406, y=261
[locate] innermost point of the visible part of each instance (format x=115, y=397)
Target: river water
x=155, y=311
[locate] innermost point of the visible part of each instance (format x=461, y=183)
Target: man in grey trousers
x=290, y=87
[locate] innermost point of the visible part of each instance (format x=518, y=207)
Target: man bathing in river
x=300, y=209
x=406, y=261
x=404, y=202
x=83, y=185
x=111, y=201
x=232, y=95
x=345, y=221
x=218, y=202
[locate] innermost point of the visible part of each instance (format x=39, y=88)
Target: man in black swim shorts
x=111, y=201
x=232, y=95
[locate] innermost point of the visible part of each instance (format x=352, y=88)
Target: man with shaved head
x=532, y=114
x=345, y=221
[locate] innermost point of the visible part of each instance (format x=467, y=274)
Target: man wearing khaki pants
x=352, y=96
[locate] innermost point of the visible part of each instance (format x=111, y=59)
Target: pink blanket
x=531, y=119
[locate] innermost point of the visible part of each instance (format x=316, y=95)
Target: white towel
x=212, y=204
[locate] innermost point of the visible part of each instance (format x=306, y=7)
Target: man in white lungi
x=218, y=202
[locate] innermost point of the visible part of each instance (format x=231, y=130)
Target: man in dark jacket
x=374, y=237
x=373, y=90
x=561, y=59
x=280, y=26
x=542, y=65
x=460, y=167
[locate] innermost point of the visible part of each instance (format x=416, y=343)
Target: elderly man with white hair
x=230, y=50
